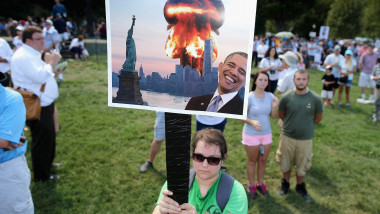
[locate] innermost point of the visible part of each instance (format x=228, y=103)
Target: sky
x=150, y=34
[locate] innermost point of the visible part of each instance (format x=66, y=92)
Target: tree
x=297, y=16
x=344, y=18
x=371, y=19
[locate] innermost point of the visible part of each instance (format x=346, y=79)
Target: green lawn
x=101, y=148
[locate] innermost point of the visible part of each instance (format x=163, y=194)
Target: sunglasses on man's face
x=213, y=161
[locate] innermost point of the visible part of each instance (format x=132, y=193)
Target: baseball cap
x=348, y=52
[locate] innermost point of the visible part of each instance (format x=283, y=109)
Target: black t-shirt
x=328, y=78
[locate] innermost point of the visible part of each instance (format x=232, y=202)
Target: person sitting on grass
x=328, y=81
x=209, y=150
x=77, y=47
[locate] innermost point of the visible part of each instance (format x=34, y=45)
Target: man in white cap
x=51, y=37
x=290, y=63
x=334, y=60
x=17, y=40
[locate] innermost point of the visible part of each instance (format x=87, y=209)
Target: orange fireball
x=191, y=22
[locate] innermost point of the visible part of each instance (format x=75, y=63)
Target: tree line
x=346, y=18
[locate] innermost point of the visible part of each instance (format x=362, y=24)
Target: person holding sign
x=209, y=151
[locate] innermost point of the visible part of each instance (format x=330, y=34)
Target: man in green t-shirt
x=300, y=109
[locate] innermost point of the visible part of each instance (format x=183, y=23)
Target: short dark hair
x=29, y=31
x=243, y=54
x=301, y=72
x=257, y=76
x=212, y=137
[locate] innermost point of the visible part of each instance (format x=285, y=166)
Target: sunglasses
x=213, y=161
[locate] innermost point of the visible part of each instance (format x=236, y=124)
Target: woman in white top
x=261, y=50
x=347, y=68
x=272, y=65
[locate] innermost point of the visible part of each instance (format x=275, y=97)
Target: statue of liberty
x=130, y=61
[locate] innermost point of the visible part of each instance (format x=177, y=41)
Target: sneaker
x=252, y=191
x=284, y=188
x=301, y=189
x=262, y=189
x=145, y=167
x=348, y=105
x=339, y=104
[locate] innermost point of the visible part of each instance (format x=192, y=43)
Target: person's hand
x=5, y=144
x=167, y=204
x=274, y=102
x=3, y=60
x=188, y=209
x=256, y=125
x=271, y=67
x=57, y=72
x=54, y=58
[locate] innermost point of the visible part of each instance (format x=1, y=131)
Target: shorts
x=327, y=94
x=366, y=81
x=310, y=58
x=256, y=140
x=15, y=195
x=294, y=152
x=159, y=126
x=348, y=83
x=63, y=36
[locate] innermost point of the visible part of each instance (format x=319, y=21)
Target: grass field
x=101, y=148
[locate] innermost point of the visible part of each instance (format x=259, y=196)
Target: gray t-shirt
x=259, y=109
x=332, y=58
x=300, y=111
x=368, y=61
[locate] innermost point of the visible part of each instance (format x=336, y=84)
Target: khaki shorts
x=294, y=152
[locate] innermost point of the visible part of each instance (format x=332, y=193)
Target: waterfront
x=163, y=100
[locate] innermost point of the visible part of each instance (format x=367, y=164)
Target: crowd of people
x=344, y=58
x=299, y=110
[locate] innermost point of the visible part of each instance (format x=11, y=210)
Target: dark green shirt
x=300, y=111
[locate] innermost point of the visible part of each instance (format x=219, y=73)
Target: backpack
x=224, y=189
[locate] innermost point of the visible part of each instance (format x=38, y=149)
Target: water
x=163, y=100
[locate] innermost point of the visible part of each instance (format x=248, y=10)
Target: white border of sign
x=251, y=16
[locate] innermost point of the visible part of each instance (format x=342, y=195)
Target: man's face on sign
x=232, y=74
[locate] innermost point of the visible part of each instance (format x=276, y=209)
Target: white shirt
x=17, y=42
x=6, y=53
x=332, y=58
x=30, y=72
x=225, y=98
x=75, y=43
x=209, y=120
x=310, y=51
x=51, y=36
x=287, y=82
x=261, y=50
x=266, y=62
